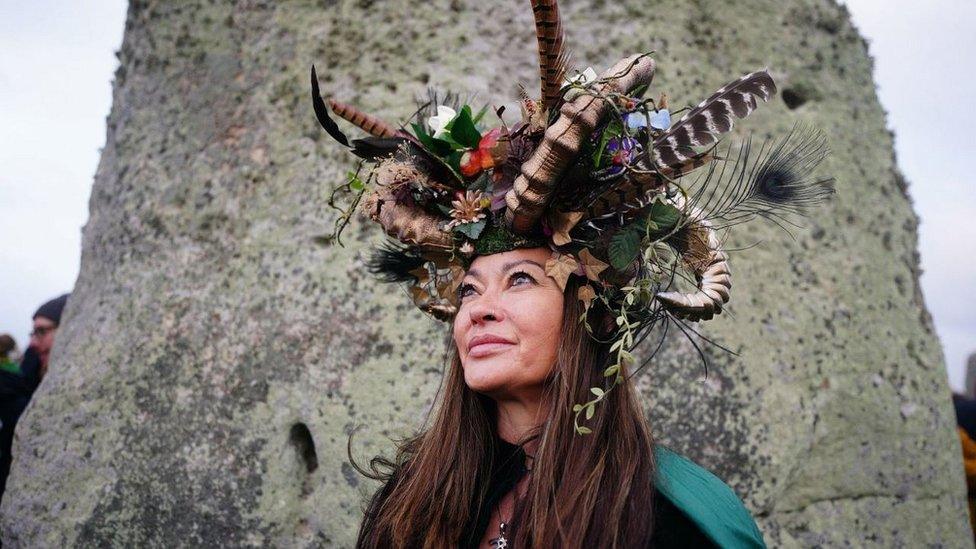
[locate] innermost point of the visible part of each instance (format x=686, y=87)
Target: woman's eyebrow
x=508, y=266
x=476, y=274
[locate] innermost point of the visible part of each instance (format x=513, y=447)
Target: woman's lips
x=488, y=348
x=487, y=344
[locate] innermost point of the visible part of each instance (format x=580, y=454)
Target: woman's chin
x=487, y=376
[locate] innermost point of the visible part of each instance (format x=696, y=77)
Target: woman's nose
x=485, y=309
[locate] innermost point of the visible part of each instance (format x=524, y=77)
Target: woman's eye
x=522, y=278
x=465, y=290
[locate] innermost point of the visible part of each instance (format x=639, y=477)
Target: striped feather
x=552, y=56
x=712, y=117
x=369, y=124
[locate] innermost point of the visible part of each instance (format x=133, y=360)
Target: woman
x=501, y=459
x=554, y=247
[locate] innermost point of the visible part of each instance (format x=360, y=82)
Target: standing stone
x=216, y=356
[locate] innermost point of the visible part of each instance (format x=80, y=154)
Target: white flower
x=586, y=77
x=438, y=124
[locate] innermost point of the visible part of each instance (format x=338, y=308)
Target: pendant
x=501, y=542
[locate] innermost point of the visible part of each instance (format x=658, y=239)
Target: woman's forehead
x=501, y=262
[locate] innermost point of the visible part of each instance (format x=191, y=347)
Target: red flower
x=491, y=151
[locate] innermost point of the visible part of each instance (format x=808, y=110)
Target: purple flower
x=622, y=150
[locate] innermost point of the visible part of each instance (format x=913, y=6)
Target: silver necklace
x=501, y=542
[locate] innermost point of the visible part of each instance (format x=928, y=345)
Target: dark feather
x=372, y=148
x=713, y=117
x=775, y=180
x=322, y=113
x=427, y=106
x=552, y=55
x=392, y=262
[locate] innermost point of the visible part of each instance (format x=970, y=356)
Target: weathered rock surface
x=215, y=357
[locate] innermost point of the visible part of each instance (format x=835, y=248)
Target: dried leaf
x=559, y=267
x=420, y=295
x=422, y=274
x=586, y=294
x=448, y=284
x=561, y=223
x=592, y=266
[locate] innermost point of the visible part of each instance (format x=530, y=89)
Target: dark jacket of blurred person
x=17, y=388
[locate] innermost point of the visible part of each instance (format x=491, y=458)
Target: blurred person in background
x=18, y=385
x=9, y=361
x=46, y=321
x=966, y=426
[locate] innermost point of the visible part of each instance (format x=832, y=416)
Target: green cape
x=706, y=501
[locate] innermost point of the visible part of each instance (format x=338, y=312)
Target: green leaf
x=577, y=407
x=480, y=115
x=419, y=130
x=626, y=358
x=355, y=183
x=463, y=130
x=471, y=230
x=612, y=370
x=596, y=391
x=664, y=217
x=613, y=129
x=625, y=245
x=432, y=144
x=480, y=184
x=583, y=430
x=638, y=91
x=453, y=160
x=589, y=411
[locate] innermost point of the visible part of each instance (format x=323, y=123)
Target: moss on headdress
x=496, y=239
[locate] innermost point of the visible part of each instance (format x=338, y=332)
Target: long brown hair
x=591, y=490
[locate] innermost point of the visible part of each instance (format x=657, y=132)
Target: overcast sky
x=56, y=64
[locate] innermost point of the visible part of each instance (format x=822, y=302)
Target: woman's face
x=508, y=323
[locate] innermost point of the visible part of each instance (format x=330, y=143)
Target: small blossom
x=583, y=79
x=468, y=208
x=491, y=151
x=635, y=120
x=438, y=123
x=661, y=120
x=622, y=151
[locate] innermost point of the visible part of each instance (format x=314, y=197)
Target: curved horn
x=711, y=268
x=369, y=124
x=410, y=224
x=577, y=119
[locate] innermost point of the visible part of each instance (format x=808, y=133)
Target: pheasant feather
x=369, y=124
x=552, y=56
x=712, y=117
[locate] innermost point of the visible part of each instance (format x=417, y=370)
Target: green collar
x=706, y=500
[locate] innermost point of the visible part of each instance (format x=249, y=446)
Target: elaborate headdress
x=594, y=170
